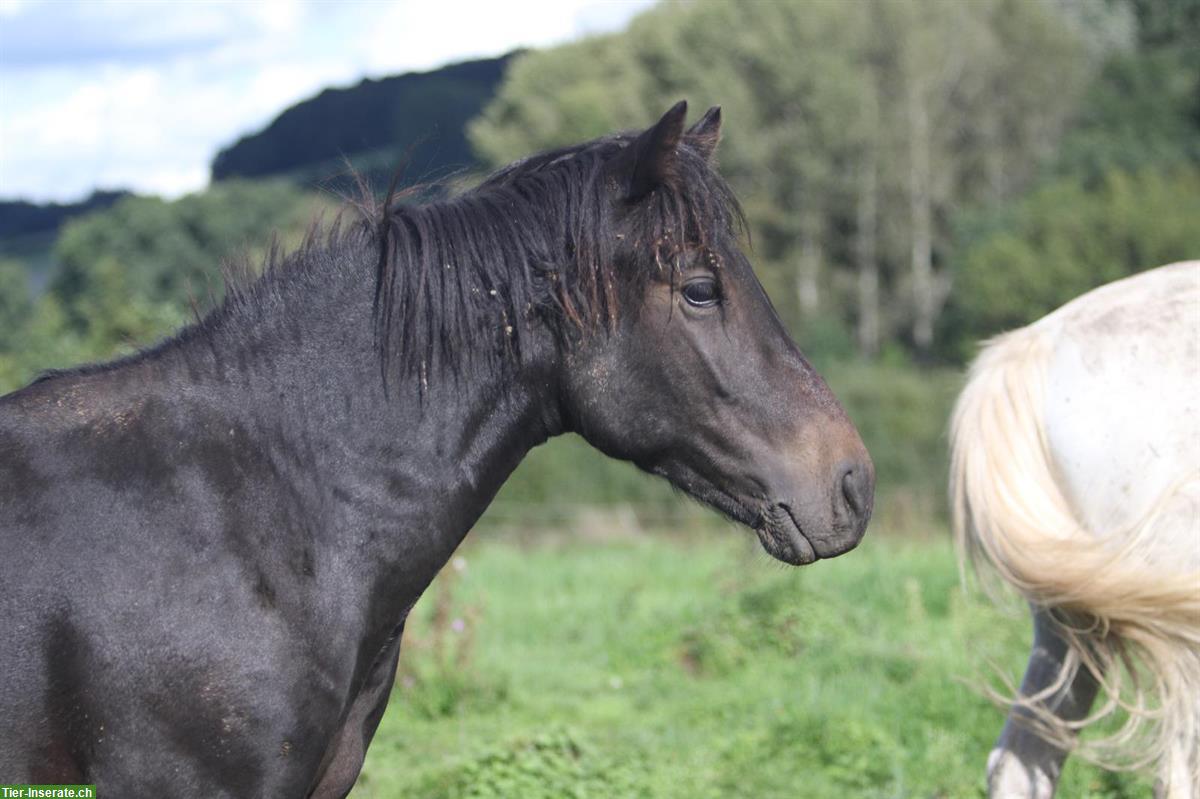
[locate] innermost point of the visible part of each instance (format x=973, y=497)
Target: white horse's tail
x=1134, y=626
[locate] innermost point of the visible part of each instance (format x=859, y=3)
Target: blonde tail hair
x=1135, y=626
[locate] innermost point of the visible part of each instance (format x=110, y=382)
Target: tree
x=1142, y=111
x=16, y=303
x=129, y=273
x=171, y=252
x=1066, y=238
x=1121, y=187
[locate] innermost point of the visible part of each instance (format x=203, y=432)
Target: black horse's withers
x=208, y=549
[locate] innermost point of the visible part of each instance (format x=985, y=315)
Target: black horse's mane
x=458, y=280
x=540, y=238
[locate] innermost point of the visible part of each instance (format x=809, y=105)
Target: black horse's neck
x=380, y=485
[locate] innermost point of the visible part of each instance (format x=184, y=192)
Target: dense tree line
x=20, y=217
x=133, y=273
x=879, y=145
x=918, y=173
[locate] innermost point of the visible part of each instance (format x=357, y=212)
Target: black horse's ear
x=705, y=134
x=650, y=160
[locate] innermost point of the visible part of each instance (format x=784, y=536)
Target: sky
x=140, y=94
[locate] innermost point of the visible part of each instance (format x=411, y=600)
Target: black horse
x=208, y=550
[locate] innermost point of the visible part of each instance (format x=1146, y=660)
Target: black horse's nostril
x=857, y=489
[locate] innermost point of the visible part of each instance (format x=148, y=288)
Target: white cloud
x=10, y=8
x=416, y=35
x=142, y=95
x=277, y=16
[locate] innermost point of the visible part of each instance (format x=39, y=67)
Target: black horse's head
x=697, y=380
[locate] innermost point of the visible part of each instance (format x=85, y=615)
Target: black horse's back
x=142, y=635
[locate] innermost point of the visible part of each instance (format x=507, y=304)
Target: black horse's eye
x=702, y=292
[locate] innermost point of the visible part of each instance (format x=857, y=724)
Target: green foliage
x=439, y=690
x=1143, y=111
x=119, y=313
x=16, y=302
x=763, y=621
x=43, y=342
x=549, y=765
x=128, y=274
x=829, y=108
x=172, y=251
x=937, y=118
x=901, y=412
x=437, y=679
x=825, y=340
x=1168, y=23
x=555, y=97
x=16, y=313
x=34, y=251
x=558, y=478
x=1123, y=193
x=1064, y=239
x=847, y=757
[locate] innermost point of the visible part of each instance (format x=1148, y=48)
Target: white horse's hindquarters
x=1083, y=426
x=1122, y=408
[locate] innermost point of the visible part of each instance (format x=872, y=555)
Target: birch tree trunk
x=920, y=203
x=867, y=232
x=808, y=273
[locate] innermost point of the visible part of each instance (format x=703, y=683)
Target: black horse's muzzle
x=800, y=532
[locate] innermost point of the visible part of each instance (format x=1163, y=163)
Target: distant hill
x=419, y=117
x=21, y=218
x=374, y=124
x=28, y=230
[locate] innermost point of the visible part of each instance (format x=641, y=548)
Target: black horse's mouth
x=782, y=536
x=778, y=531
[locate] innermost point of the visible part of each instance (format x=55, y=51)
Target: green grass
x=692, y=667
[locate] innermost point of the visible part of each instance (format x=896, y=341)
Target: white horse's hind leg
x=1023, y=765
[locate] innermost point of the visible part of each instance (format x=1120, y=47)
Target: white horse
x=1075, y=478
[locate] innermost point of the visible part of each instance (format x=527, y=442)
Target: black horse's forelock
x=459, y=281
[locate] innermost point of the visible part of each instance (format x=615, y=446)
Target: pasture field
x=691, y=666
